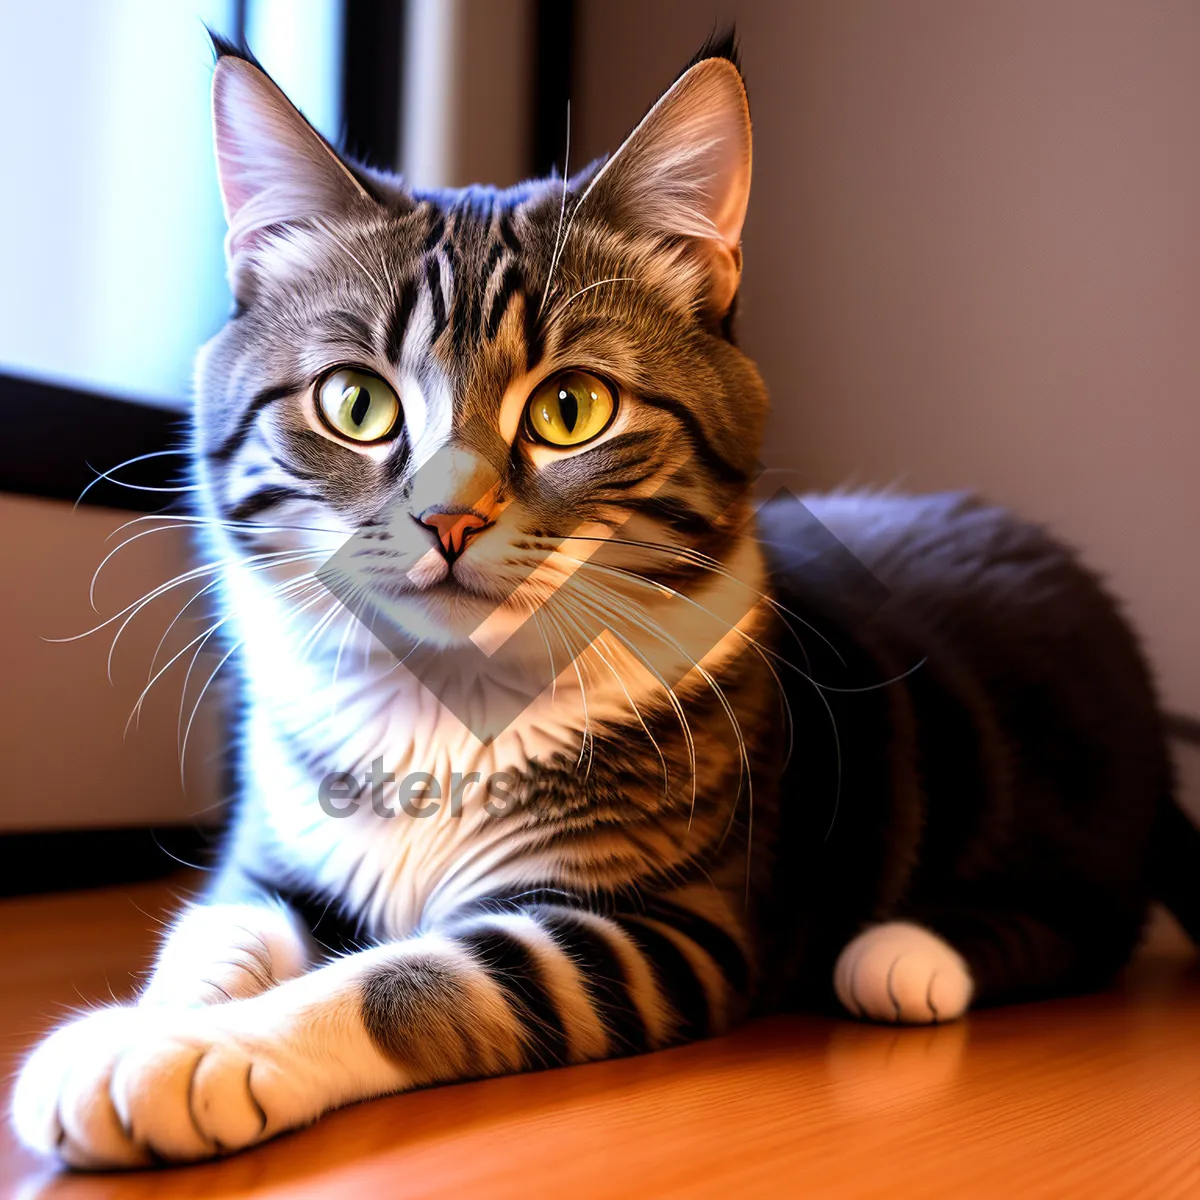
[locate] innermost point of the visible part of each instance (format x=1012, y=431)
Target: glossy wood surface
x=1092, y=1097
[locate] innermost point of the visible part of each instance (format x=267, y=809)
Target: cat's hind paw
x=903, y=974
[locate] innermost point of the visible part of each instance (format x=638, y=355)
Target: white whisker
x=590, y=286
x=102, y=475
x=562, y=212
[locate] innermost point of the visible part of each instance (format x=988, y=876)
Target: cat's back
x=946, y=563
x=992, y=605
x=949, y=544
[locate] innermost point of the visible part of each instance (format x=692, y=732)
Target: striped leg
x=500, y=992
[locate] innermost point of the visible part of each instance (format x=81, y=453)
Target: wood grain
x=1097, y=1096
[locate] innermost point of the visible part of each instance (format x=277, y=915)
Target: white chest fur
x=342, y=704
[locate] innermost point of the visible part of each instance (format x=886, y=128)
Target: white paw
x=221, y=952
x=128, y=1086
x=902, y=974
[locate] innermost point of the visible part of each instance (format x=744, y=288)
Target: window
x=110, y=219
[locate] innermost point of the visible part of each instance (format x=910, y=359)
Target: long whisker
x=553, y=594
x=277, y=559
x=306, y=647
x=756, y=645
x=299, y=584
x=184, y=577
x=181, y=519
x=537, y=613
x=643, y=621
x=598, y=283
x=588, y=741
x=673, y=700
x=228, y=655
x=284, y=559
x=190, y=521
x=200, y=638
x=352, y=623
x=819, y=689
x=324, y=225
x=102, y=475
x=765, y=653
x=178, y=522
x=636, y=712
x=208, y=587
x=562, y=212
x=706, y=563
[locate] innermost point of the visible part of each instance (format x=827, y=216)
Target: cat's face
x=479, y=388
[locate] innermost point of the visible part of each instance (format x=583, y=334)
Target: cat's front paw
x=128, y=1086
x=902, y=974
x=61, y=1104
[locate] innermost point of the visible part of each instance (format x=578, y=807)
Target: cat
x=555, y=744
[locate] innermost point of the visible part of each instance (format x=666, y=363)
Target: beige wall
x=66, y=759
x=973, y=256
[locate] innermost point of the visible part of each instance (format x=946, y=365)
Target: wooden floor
x=1095, y=1097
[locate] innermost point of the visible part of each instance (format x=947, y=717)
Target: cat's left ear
x=273, y=166
x=684, y=172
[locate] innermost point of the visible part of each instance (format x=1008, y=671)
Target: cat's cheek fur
x=902, y=974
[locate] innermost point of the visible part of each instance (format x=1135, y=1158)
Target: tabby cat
x=556, y=743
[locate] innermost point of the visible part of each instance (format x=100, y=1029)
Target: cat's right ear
x=684, y=173
x=273, y=166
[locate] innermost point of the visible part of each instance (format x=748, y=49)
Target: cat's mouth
x=444, y=612
x=429, y=600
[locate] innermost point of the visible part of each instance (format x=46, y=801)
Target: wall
x=67, y=756
x=972, y=258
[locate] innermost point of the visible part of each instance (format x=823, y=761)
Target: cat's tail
x=1175, y=866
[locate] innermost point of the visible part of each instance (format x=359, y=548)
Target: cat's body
x=1025, y=768
x=898, y=751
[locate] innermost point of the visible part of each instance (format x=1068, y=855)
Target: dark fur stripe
x=234, y=442
x=715, y=942
x=672, y=511
x=508, y=234
x=264, y=498
x=514, y=968
x=534, y=344
x=603, y=975
x=623, y=485
x=676, y=979
x=404, y=1006
x=463, y=320
x=510, y=284
x=435, y=233
x=395, y=465
x=343, y=323
x=705, y=450
x=475, y=324
x=433, y=280
x=398, y=321
x=493, y=258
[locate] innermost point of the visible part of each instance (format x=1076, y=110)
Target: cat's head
x=478, y=384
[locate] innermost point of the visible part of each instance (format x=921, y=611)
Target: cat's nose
x=452, y=527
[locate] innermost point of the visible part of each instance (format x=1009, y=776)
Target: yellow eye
x=358, y=405
x=570, y=408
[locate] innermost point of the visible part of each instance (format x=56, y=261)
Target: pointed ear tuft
x=722, y=43
x=684, y=172
x=273, y=166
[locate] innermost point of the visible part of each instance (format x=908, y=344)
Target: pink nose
x=452, y=528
